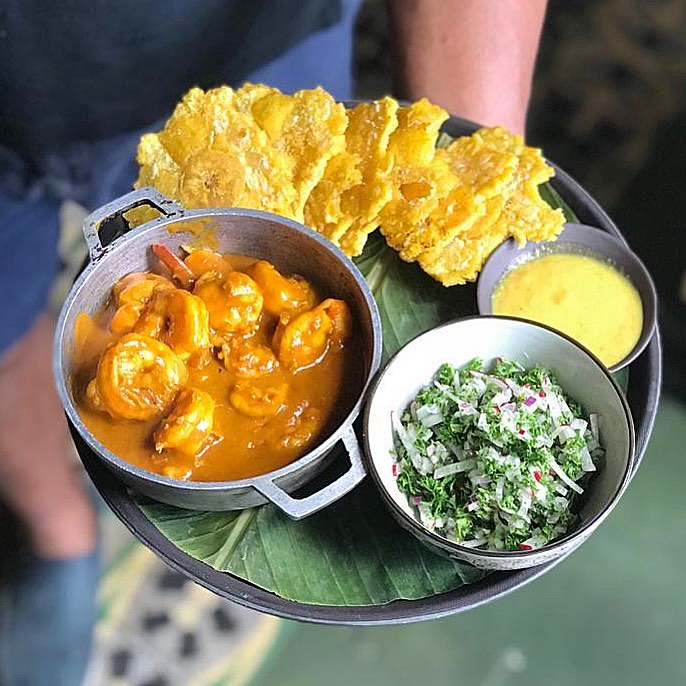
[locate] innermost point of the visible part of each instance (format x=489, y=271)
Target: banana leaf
x=353, y=552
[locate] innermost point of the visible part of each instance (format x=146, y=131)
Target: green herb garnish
x=494, y=458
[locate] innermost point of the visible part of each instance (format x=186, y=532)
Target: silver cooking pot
x=292, y=248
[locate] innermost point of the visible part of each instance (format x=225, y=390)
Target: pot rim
x=99, y=256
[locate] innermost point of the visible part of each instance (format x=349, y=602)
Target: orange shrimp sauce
x=248, y=446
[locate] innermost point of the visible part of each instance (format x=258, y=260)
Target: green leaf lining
x=352, y=552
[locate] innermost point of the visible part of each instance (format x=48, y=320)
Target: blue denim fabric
x=46, y=619
x=47, y=611
x=28, y=261
x=95, y=173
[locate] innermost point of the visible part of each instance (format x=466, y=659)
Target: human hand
x=38, y=479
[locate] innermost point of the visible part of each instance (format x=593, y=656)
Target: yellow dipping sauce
x=579, y=295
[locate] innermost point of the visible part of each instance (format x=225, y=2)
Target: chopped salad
x=493, y=458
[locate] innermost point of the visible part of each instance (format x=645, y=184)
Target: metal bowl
x=587, y=240
x=292, y=248
x=579, y=373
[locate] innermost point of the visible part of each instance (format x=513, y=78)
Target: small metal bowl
x=579, y=373
x=586, y=240
x=290, y=246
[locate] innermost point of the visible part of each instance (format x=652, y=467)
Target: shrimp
x=131, y=293
x=137, y=378
x=179, y=319
x=202, y=261
x=339, y=314
x=138, y=287
x=188, y=427
x=258, y=401
x=303, y=340
x=246, y=358
x=234, y=301
x=305, y=424
x=281, y=294
x=125, y=318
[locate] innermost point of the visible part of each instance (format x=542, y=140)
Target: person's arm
x=475, y=58
x=38, y=480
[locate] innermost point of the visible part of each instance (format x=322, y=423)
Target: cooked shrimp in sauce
x=282, y=294
x=137, y=378
x=188, y=427
x=234, y=301
x=131, y=294
x=179, y=319
x=215, y=367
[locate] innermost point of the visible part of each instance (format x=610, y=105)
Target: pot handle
x=113, y=211
x=297, y=508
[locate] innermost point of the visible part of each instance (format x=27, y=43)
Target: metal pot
x=292, y=248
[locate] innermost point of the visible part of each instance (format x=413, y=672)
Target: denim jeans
x=47, y=614
x=94, y=173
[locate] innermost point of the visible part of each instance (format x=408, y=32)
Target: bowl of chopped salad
x=499, y=441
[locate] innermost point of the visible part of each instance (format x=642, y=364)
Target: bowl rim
x=587, y=236
x=559, y=545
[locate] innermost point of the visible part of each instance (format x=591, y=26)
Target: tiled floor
x=156, y=628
